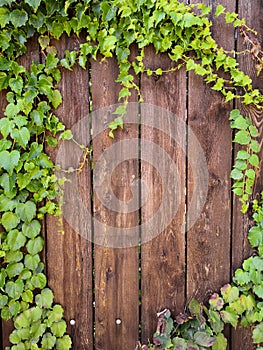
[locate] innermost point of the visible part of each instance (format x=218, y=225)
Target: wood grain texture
x=253, y=13
x=32, y=54
x=208, y=241
x=69, y=255
x=116, y=269
x=163, y=254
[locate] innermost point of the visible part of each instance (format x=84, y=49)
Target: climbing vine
x=28, y=184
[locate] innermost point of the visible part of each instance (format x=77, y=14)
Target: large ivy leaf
x=26, y=211
x=9, y=160
x=10, y=220
x=18, y=17
x=258, y=334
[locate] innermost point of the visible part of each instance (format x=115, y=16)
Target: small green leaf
x=16, y=84
x=242, y=137
x=14, y=289
x=45, y=299
x=64, y=343
x=56, y=98
x=253, y=131
x=48, y=341
x=59, y=328
x=219, y=10
x=236, y=174
x=39, y=281
x=220, y=343
x=229, y=316
x=242, y=154
x=254, y=160
x=33, y=3
x=35, y=245
x=21, y=136
x=66, y=135
x=10, y=220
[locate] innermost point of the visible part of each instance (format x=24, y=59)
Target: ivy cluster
x=28, y=185
x=241, y=301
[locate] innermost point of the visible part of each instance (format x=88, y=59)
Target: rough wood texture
x=69, y=255
x=208, y=241
x=252, y=12
x=162, y=256
x=116, y=269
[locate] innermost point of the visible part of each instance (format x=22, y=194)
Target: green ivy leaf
x=242, y=137
x=10, y=220
x=9, y=160
x=219, y=10
x=220, y=343
x=64, y=343
x=3, y=300
x=31, y=229
x=55, y=314
x=33, y=3
x=39, y=281
x=16, y=84
x=14, y=269
x=26, y=211
x=14, y=289
x=66, y=135
x=59, y=328
x=35, y=245
x=48, y=341
x=254, y=160
x=258, y=334
x=236, y=174
x=32, y=261
x=229, y=316
x=22, y=136
x=18, y=18
x=45, y=299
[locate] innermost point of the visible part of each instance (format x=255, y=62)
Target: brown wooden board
x=69, y=255
x=208, y=241
x=252, y=12
x=162, y=253
x=116, y=269
x=26, y=60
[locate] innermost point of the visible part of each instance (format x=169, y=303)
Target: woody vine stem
x=27, y=178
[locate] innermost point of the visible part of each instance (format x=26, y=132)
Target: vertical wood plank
x=162, y=257
x=69, y=255
x=208, y=241
x=116, y=269
x=26, y=60
x=252, y=12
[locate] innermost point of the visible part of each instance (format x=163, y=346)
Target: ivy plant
x=202, y=327
x=28, y=184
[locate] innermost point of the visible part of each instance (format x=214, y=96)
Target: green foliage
x=241, y=302
x=27, y=178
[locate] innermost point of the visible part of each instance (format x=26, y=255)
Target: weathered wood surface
x=128, y=286
x=162, y=254
x=115, y=263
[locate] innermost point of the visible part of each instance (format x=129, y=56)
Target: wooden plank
x=162, y=253
x=116, y=269
x=208, y=241
x=26, y=60
x=69, y=255
x=241, y=224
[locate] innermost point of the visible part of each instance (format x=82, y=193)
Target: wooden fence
x=113, y=294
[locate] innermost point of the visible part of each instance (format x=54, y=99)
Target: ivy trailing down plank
x=27, y=176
